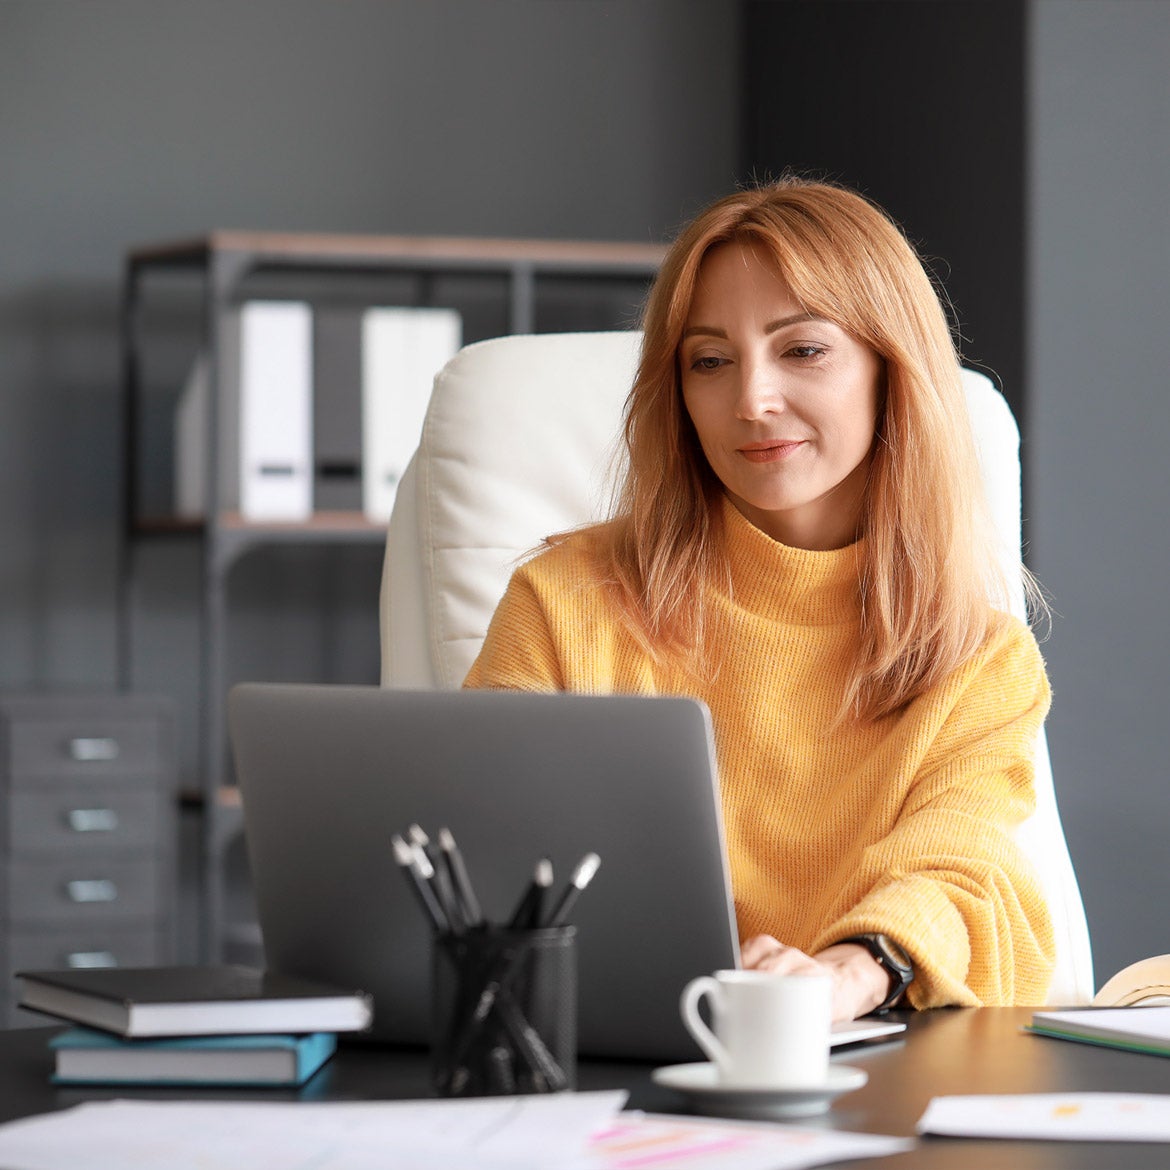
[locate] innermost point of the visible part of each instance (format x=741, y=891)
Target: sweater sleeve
x=948, y=881
x=518, y=652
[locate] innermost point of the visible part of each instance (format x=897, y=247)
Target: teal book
x=88, y=1057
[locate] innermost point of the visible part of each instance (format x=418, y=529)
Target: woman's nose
x=760, y=391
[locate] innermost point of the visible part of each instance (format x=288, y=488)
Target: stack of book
x=200, y=1025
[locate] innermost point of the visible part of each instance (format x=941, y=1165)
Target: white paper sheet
x=489, y=1133
x=1135, y=1117
x=661, y=1142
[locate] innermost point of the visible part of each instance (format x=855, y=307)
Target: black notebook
x=194, y=1001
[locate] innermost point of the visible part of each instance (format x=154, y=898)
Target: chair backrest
x=521, y=440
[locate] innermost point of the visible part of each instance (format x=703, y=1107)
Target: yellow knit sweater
x=902, y=826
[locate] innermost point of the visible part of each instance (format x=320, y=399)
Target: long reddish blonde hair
x=930, y=575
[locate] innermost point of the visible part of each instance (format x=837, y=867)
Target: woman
x=801, y=541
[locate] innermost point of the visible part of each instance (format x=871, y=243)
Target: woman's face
x=785, y=404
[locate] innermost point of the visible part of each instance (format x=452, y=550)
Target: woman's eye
x=706, y=363
x=806, y=351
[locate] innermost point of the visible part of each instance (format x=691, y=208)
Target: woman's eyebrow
x=794, y=319
x=771, y=327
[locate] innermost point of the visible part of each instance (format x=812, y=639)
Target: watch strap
x=892, y=959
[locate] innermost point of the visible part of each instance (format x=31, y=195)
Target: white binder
x=276, y=410
x=402, y=351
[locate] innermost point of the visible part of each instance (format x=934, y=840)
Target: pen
x=440, y=887
x=496, y=999
x=528, y=909
x=437, y=874
x=465, y=892
x=580, y=878
x=547, y=1074
x=500, y=1075
x=407, y=859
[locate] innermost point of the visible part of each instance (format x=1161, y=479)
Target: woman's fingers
x=765, y=953
x=859, y=984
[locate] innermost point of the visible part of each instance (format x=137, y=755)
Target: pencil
x=528, y=909
x=580, y=878
x=435, y=870
x=460, y=879
x=405, y=856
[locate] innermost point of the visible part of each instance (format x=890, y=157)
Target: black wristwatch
x=893, y=960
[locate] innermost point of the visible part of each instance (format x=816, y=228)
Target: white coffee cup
x=771, y=1031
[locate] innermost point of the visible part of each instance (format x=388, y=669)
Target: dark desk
x=943, y=1052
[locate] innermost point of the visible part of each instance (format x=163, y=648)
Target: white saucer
x=700, y=1083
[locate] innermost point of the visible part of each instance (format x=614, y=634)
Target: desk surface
x=943, y=1052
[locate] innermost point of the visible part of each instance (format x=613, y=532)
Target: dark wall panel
x=920, y=105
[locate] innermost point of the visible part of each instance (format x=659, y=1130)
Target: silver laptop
x=329, y=773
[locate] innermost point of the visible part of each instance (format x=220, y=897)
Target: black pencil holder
x=504, y=1008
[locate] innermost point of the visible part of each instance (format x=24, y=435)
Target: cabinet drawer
x=81, y=890
x=86, y=947
x=78, y=817
x=81, y=747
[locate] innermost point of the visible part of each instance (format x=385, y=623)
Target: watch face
x=894, y=950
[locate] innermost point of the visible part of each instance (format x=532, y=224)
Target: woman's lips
x=770, y=452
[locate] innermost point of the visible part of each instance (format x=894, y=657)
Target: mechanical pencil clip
x=460, y=879
x=528, y=909
x=407, y=859
x=580, y=878
x=435, y=871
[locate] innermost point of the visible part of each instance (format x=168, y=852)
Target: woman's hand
x=859, y=983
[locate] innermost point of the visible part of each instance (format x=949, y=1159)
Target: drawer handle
x=78, y=959
x=92, y=820
x=92, y=890
x=91, y=748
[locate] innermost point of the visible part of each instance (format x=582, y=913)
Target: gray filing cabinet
x=88, y=834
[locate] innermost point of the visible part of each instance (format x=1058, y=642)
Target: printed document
x=564, y=1131
x=1091, y=1117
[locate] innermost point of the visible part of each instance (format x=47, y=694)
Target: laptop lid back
x=329, y=773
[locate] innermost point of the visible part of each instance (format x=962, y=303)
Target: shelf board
x=578, y=256
x=168, y=526
x=225, y=798
x=318, y=522
x=324, y=523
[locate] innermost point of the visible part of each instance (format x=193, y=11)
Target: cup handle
x=689, y=1005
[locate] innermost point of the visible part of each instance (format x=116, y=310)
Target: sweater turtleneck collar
x=801, y=585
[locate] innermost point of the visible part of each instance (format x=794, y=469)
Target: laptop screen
x=329, y=773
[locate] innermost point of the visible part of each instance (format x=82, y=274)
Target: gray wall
x=131, y=121
x=1098, y=426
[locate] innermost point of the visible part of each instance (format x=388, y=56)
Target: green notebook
x=1139, y=1029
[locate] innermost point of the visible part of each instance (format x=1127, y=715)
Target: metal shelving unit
x=222, y=263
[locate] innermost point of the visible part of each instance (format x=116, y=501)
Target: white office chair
x=520, y=441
